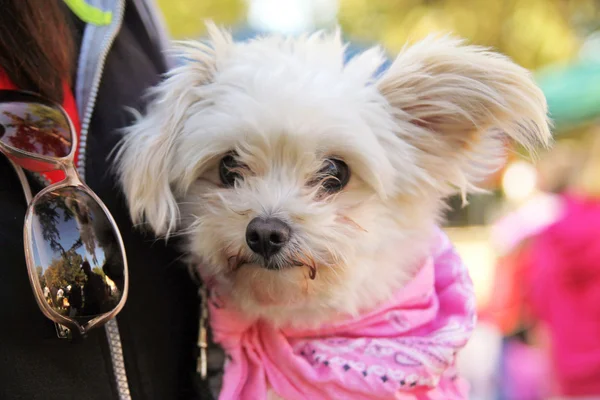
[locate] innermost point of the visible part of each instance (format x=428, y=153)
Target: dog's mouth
x=312, y=268
x=237, y=261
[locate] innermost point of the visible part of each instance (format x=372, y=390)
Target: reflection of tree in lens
x=69, y=206
x=84, y=218
x=49, y=214
x=61, y=273
x=42, y=130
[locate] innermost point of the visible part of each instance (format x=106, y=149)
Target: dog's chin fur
x=432, y=125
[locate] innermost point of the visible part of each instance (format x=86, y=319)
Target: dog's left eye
x=334, y=175
x=229, y=169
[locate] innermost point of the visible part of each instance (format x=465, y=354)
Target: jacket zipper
x=87, y=115
x=111, y=328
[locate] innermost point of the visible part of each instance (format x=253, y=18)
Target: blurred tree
x=65, y=270
x=532, y=32
x=185, y=18
x=49, y=215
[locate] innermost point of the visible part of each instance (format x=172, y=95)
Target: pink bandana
x=404, y=349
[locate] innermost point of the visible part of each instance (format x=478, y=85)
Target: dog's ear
x=456, y=104
x=145, y=156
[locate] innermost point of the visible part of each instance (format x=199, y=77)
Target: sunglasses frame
x=21, y=159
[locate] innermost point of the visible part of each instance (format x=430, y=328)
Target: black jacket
x=158, y=325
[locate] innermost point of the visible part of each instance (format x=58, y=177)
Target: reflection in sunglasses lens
x=77, y=254
x=35, y=128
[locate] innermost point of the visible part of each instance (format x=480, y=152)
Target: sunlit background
x=559, y=41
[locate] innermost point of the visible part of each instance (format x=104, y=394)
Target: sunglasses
x=73, y=249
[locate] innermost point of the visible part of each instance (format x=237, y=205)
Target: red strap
x=70, y=107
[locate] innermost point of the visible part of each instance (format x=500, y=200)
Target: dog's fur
x=432, y=125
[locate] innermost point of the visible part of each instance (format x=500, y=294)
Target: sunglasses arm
x=23, y=180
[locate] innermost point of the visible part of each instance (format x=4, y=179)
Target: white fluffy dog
x=306, y=187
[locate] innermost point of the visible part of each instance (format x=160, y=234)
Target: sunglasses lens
x=80, y=268
x=35, y=128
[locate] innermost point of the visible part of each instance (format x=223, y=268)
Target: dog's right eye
x=333, y=176
x=229, y=169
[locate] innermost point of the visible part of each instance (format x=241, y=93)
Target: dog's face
x=291, y=188
x=307, y=187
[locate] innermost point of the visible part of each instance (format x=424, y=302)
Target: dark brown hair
x=36, y=45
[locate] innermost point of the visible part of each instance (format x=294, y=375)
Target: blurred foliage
x=64, y=271
x=532, y=32
x=185, y=18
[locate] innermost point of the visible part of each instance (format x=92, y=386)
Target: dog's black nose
x=267, y=236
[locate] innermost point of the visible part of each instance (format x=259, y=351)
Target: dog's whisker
x=238, y=261
x=296, y=263
x=242, y=213
x=182, y=256
x=350, y=221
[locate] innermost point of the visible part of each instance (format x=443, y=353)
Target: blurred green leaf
x=185, y=18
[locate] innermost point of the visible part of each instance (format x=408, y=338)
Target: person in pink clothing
x=563, y=281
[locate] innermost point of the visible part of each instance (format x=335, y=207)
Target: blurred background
x=533, y=243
